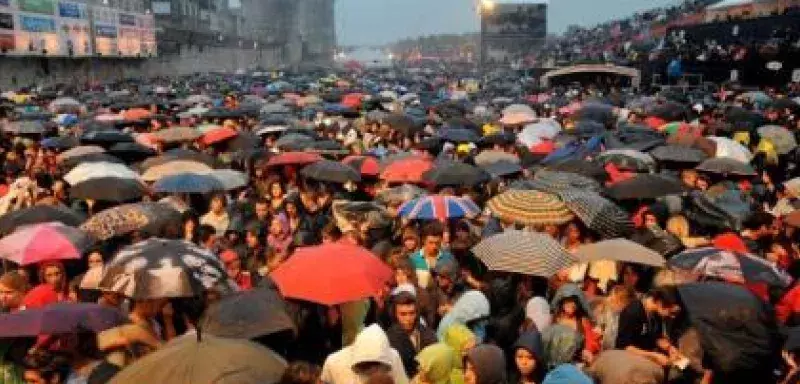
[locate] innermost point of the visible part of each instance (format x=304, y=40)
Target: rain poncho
x=436, y=363
x=538, y=311
x=371, y=345
x=471, y=306
x=458, y=337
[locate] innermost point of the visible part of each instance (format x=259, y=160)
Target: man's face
x=262, y=210
x=9, y=298
x=432, y=244
x=406, y=316
x=668, y=311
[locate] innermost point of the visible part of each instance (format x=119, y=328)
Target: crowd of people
x=344, y=229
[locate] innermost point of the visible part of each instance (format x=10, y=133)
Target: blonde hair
x=678, y=225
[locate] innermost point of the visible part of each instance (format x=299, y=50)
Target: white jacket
x=371, y=345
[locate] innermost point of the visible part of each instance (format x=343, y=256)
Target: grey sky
x=382, y=21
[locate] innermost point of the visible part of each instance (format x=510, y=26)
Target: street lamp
x=485, y=8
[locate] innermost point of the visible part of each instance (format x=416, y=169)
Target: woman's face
x=216, y=205
x=291, y=209
x=630, y=277
x=276, y=190
x=573, y=233
x=53, y=276
x=401, y=277
x=569, y=307
x=650, y=221
x=275, y=227
x=94, y=260
x=410, y=244
x=526, y=363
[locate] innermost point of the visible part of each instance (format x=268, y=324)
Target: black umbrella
x=502, y=138
x=458, y=135
x=60, y=142
x=39, y=214
x=501, y=168
x=726, y=166
x=645, y=186
x=25, y=127
x=678, y=154
x=457, y=174
x=635, y=137
x=108, y=189
x=738, y=333
x=242, y=141
x=581, y=167
x=247, y=315
x=331, y=171
x=107, y=138
x=597, y=213
x=784, y=103
x=594, y=111
x=403, y=123
x=131, y=151
x=669, y=111
x=90, y=158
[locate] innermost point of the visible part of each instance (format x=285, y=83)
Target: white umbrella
x=518, y=108
x=82, y=150
x=88, y=171
x=620, y=250
x=731, y=149
x=230, y=178
x=176, y=167
x=534, y=133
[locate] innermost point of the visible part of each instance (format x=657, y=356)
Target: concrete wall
x=24, y=71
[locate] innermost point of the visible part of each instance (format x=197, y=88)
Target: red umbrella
x=366, y=165
x=408, y=170
x=219, y=134
x=294, y=158
x=332, y=274
x=44, y=242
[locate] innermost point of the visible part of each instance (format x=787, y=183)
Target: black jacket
x=400, y=341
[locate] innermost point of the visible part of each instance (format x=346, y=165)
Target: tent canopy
x=633, y=73
x=728, y=4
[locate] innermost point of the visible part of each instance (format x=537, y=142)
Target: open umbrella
x=628, y=159
x=726, y=166
x=456, y=174
x=731, y=149
x=582, y=167
x=365, y=165
x=37, y=243
x=205, y=359
x=729, y=266
x=332, y=274
x=458, y=135
x=38, y=214
x=408, y=170
x=678, y=154
x=59, y=319
x=177, y=134
x=529, y=208
x=400, y=194
x=557, y=182
x=150, y=218
x=529, y=253
x=330, y=171
x=231, y=179
x=293, y=158
x=438, y=207
x=645, y=186
x=188, y=183
x=176, y=167
x=161, y=268
x=131, y=151
x=783, y=139
x=622, y=250
x=180, y=155
x=494, y=156
x=106, y=138
x=247, y=315
x=218, y=135
x=96, y=170
x=108, y=189
x=79, y=151
x=598, y=213
x=60, y=142
x=25, y=127
x=501, y=168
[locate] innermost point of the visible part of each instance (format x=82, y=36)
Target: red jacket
x=789, y=304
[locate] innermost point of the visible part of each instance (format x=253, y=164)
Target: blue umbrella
x=188, y=183
x=438, y=207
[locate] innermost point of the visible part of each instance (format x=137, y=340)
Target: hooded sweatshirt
x=530, y=341
x=371, y=345
x=566, y=374
x=489, y=363
x=471, y=306
x=436, y=363
x=458, y=336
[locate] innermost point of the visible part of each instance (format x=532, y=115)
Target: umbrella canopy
x=628, y=159
x=400, y=194
x=188, y=183
x=458, y=135
x=557, y=182
x=26, y=127
x=108, y=189
x=161, y=268
x=38, y=214
x=294, y=139
x=533, y=134
x=293, y=158
x=59, y=319
x=187, y=360
x=123, y=219
x=645, y=186
x=365, y=165
x=332, y=274
x=783, y=139
x=231, y=179
x=501, y=168
x=530, y=208
x=180, y=155
x=105, y=137
x=738, y=334
x=403, y=124
x=89, y=171
x=247, y=315
x=218, y=135
x=131, y=151
x=622, y=250
x=598, y=213
x=80, y=151
x=177, y=135
x=729, y=266
x=581, y=167
x=37, y=243
x=60, y=142
x=452, y=173
x=438, y=207
x=407, y=170
x=679, y=154
x=176, y=167
x=529, y=253
x=726, y=166
x=494, y=156
x=330, y=171
x=731, y=149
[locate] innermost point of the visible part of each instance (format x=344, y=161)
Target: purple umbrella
x=62, y=318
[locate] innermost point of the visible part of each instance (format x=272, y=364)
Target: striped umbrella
x=728, y=265
x=438, y=207
x=44, y=242
x=530, y=208
x=598, y=213
x=528, y=253
x=557, y=181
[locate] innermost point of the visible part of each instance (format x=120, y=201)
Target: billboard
x=512, y=33
x=106, y=31
x=43, y=7
x=74, y=30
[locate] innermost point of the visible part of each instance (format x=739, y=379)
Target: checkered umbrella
x=529, y=253
x=438, y=207
x=598, y=213
x=530, y=208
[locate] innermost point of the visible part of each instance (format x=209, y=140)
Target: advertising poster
x=6, y=21
x=73, y=29
x=43, y=7
x=129, y=41
x=147, y=35
x=5, y=3
x=106, y=31
x=37, y=35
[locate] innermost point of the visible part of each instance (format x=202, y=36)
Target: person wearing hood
x=566, y=374
x=528, y=359
x=406, y=334
x=436, y=365
x=572, y=310
x=485, y=364
x=472, y=309
x=462, y=340
x=370, y=352
x=448, y=286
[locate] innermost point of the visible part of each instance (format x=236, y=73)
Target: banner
x=37, y=24
x=44, y=7
x=105, y=31
x=74, y=31
x=72, y=10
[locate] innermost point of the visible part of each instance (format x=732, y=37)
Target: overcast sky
x=382, y=21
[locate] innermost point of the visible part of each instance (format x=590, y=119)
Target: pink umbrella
x=108, y=117
x=43, y=242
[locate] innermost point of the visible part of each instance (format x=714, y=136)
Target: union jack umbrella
x=438, y=207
